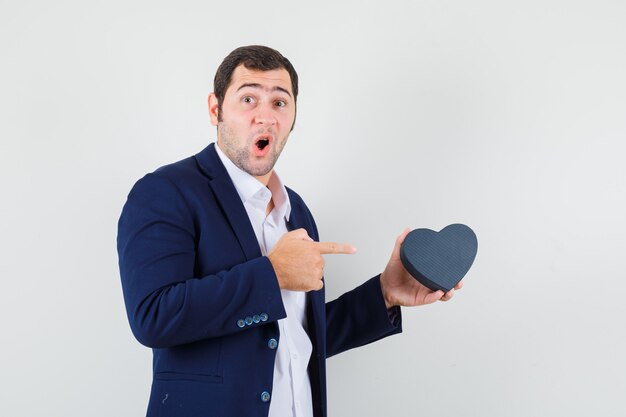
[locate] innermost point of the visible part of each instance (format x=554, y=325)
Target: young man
x=222, y=270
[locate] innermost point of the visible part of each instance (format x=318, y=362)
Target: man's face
x=256, y=117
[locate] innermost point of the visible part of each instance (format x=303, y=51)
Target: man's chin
x=259, y=170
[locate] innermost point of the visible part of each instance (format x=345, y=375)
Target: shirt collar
x=248, y=187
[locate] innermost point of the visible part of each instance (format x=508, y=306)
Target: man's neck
x=264, y=179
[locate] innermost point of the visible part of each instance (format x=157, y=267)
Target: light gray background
x=507, y=116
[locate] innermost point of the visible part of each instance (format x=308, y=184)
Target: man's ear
x=213, y=105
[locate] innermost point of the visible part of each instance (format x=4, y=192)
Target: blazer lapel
x=227, y=197
x=234, y=210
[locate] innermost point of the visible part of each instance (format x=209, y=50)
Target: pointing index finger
x=335, y=248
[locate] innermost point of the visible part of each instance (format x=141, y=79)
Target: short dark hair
x=253, y=57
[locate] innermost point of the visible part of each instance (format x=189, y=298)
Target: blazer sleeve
x=359, y=317
x=166, y=304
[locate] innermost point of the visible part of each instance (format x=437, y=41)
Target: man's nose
x=265, y=116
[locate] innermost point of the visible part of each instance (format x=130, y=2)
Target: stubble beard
x=242, y=157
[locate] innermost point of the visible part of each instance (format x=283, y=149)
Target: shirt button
x=265, y=396
x=256, y=318
x=264, y=317
x=248, y=320
x=294, y=356
x=241, y=323
x=272, y=343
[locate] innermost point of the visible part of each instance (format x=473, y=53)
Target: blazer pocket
x=179, y=376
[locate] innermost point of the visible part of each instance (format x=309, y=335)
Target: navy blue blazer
x=200, y=294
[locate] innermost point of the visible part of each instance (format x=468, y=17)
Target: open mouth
x=262, y=143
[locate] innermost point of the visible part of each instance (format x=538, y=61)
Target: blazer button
x=272, y=343
x=248, y=320
x=264, y=317
x=241, y=323
x=265, y=396
x=256, y=318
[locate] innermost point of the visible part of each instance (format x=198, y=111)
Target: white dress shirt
x=291, y=391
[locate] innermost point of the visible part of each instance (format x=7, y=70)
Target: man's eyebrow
x=257, y=85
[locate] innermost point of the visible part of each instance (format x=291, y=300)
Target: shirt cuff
x=394, y=315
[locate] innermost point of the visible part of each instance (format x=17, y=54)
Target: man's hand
x=401, y=289
x=298, y=261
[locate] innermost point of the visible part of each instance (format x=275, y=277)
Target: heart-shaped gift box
x=439, y=260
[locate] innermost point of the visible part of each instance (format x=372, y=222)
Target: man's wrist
x=388, y=303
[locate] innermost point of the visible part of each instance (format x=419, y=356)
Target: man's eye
x=280, y=103
x=247, y=99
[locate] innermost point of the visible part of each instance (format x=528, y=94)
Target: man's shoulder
x=199, y=167
x=180, y=177
x=178, y=170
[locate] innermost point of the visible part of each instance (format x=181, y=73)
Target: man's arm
x=365, y=314
x=166, y=303
x=359, y=317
